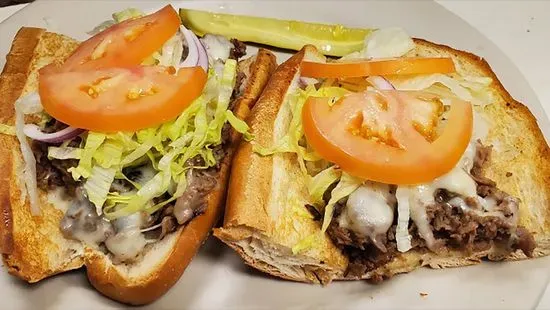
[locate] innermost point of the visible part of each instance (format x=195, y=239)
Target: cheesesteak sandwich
x=401, y=155
x=115, y=151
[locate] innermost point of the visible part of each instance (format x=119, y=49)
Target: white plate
x=217, y=278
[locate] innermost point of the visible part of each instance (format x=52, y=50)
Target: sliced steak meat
x=53, y=125
x=200, y=183
x=53, y=173
x=238, y=50
x=317, y=216
x=465, y=231
x=168, y=225
x=239, y=80
x=483, y=155
x=525, y=241
x=472, y=228
x=478, y=229
x=363, y=255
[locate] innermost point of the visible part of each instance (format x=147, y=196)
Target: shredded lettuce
x=319, y=184
x=402, y=236
x=116, y=18
x=84, y=168
x=239, y=125
x=7, y=130
x=171, y=52
x=129, y=13
x=108, y=154
x=98, y=185
x=291, y=142
x=344, y=188
x=64, y=152
x=168, y=147
x=469, y=88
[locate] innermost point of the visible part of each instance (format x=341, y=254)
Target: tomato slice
x=124, y=44
x=394, y=66
x=372, y=135
x=120, y=99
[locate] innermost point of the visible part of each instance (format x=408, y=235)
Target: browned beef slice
x=525, y=241
x=238, y=51
x=483, y=155
x=363, y=255
x=53, y=173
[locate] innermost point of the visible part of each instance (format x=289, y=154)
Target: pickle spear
x=333, y=40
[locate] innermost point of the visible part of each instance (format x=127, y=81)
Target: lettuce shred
x=319, y=184
x=117, y=18
x=129, y=13
x=347, y=185
x=292, y=142
x=167, y=148
x=475, y=89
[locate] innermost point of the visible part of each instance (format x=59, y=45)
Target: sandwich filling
x=397, y=163
x=127, y=188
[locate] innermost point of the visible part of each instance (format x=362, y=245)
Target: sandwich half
x=56, y=218
x=298, y=208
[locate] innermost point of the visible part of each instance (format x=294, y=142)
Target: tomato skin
x=124, y=44
x=120, y=99
x=383, y=67
x=414, y=161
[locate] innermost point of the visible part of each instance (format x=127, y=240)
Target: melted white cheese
x=57, y=199
x=368, y=212
x=129, y=241
x=217, y=47
x=126, y=245
x=419, y=196
x=95, y=237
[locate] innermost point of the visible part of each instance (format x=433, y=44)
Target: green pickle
x=332, y=40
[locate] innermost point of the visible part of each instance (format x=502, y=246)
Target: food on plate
x=115, y=151
x=399, y=155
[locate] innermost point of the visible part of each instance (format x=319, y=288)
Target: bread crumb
x=508, y=174
x=423, y=294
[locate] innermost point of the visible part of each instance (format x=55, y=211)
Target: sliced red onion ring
x=32, y=131
x=380, y=82
x=303, y=82
x=197, y=53
x=192, y=58
x=203, y=57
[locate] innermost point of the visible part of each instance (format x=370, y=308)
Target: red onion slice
x=203, y=56
x=303, y=82
x=192, y=58
x=32, y=131
x=197, y=53
x=380, y=82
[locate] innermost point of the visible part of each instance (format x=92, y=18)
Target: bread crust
x=12, y=82
x=248, y=226
x=27, y=247
x=110, y=280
